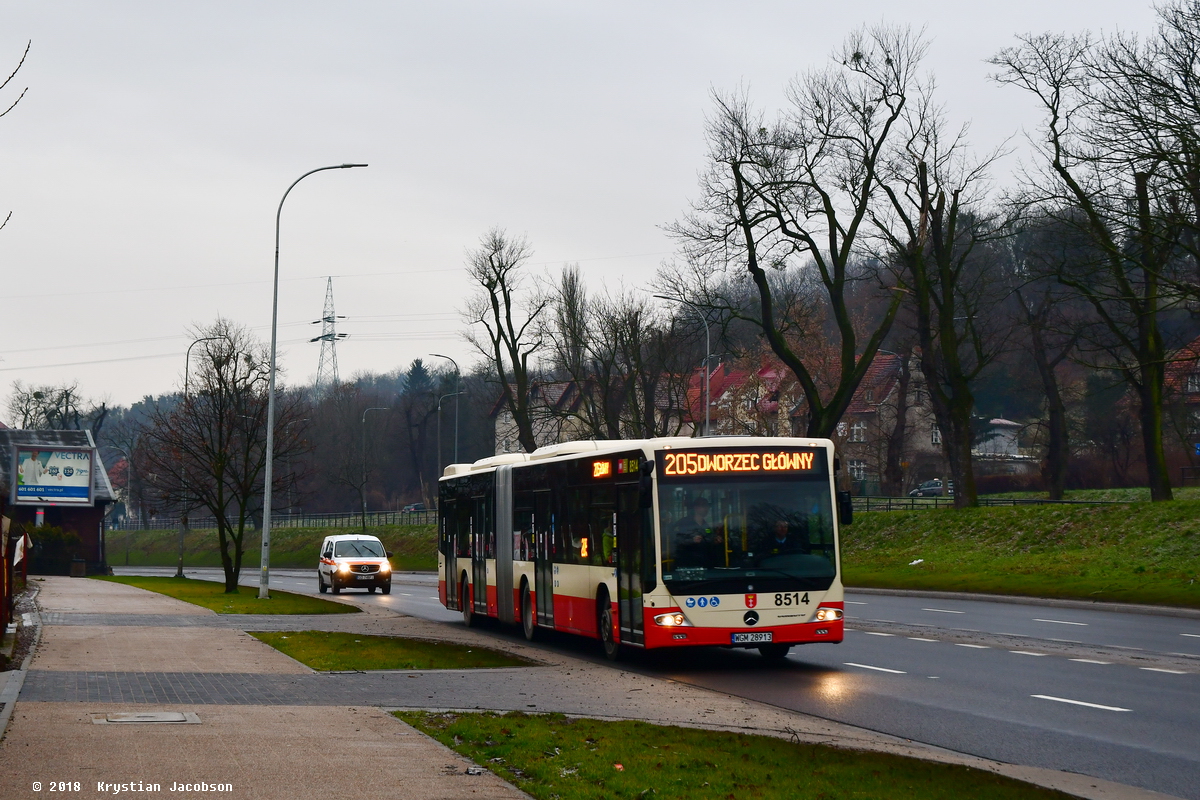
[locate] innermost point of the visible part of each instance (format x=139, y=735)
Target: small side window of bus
x=523, y=534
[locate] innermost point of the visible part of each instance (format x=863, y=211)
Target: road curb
x=1054, y=602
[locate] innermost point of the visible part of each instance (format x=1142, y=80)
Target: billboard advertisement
x=52, y=475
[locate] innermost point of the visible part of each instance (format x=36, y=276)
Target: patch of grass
x=355, y=651
x=413, y=547
x=1137, y=552
x=1120, y=495
x=551, y=756
x=212, y=595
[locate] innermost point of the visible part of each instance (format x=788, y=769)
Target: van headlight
x=343, y=567
x=385, y=567
x=673, y=620
x=827, y=614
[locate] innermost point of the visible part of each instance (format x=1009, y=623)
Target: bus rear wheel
x=528, y=623
x=464, y=603
x=612, y=647
x=774, y=652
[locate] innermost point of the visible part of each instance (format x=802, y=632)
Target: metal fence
x=870, y=503
x=336, y=520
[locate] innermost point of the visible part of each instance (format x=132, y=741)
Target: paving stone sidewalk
x=315, y=725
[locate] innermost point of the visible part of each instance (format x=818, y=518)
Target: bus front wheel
x=528, y=622
x=774, y=652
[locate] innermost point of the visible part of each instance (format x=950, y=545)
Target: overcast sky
x=144, y=167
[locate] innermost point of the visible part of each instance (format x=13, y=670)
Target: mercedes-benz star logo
x=364, y=568
x=751, y=618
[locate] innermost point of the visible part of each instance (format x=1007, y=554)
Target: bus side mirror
x=845, y=508
x=646, y=485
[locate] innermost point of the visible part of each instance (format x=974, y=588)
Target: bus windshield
x=728, y=535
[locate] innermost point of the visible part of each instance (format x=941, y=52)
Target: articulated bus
x=671, y=542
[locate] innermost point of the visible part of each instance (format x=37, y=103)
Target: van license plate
x=366, y=577
x=752, y=638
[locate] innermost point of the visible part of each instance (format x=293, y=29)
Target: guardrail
x=869, y=503
x=335, y=520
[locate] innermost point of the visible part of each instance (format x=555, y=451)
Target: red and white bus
x=671, y=542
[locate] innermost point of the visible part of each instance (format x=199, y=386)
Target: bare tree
x=1100, y=182
x=209, y=449
x=795, y=195
x=55, y=408
x=509, y=321
x=937, y=234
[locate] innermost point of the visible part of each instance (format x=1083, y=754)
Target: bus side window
x=523, y=534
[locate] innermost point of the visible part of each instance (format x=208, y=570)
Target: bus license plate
x=752, y=638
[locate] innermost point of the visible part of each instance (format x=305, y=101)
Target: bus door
x=505, y=607
x=631, y=558
x=449, y=527
x=481, y=536
x=543, y=567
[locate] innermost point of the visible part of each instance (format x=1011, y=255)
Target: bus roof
x=566, y=449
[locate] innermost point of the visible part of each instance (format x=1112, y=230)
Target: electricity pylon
x=327, y=368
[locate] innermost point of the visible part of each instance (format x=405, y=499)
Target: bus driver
x=694, y=536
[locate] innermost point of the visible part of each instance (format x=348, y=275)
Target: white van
x=354, y=561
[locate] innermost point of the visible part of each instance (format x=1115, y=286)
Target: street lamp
x=707, y=351
x=457, y=391
x=264, y=577
x=362, y=492
x=187, y=362
x=439, y=416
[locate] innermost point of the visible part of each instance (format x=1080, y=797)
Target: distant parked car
x=413, y=507
x=932, y=488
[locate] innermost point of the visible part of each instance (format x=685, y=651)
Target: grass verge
x=1137, y=553
x=413, y=547
x=210, y=594
x=355, y=651
x=551, y=756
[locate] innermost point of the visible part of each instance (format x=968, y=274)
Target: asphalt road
x=1015, y=683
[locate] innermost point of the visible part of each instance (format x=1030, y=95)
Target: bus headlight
x=826, y=614
x=675, y=620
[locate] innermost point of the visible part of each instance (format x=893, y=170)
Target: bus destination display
x=774, y=462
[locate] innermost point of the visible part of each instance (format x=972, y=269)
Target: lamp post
x=362, y=492
x=707, y=351
x=187, y=363
x=439, y=416
x=457, y=391
x=264, y=577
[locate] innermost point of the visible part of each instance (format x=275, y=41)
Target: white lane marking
x=1061, y=622
x=975, y=646
x=877, y=669
x=943, y=611
x=877, y=633
x=934, y=678
x=1089, y=661
x=432, y=598
x=919, y=639
x=854, y=603
x=407, y=594
x=1026, y=653
x=1160, y=669
x=1078, y=703
x=1192, y=635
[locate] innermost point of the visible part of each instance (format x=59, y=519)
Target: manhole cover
x=149, y=717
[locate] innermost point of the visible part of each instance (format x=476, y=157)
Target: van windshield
x=358, y=547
